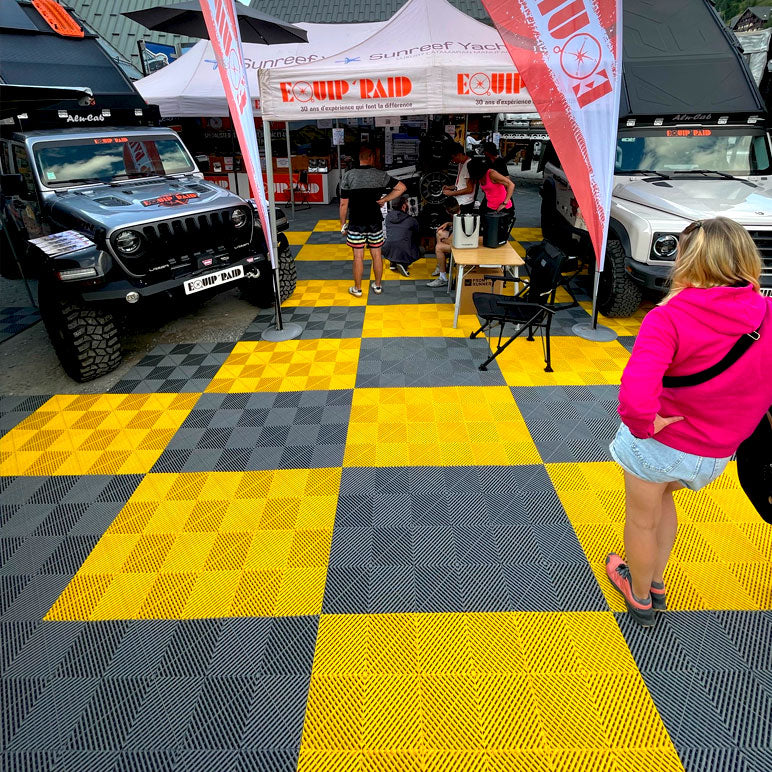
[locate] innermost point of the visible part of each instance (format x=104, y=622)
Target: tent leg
x=592, y=331
x=282, y=331
x=289, y=162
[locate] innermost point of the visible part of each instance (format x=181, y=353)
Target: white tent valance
x=428, y=58
x=191, y=87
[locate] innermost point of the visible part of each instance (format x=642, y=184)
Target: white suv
x=665, y=177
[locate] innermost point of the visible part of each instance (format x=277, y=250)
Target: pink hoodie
x=688, y=334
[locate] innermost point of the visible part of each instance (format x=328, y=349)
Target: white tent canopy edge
x=428, y=58
x=190, y=87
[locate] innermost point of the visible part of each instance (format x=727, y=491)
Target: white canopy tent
x=190, y=87
x=428, y=58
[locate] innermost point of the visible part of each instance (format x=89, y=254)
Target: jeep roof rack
x=680, y=57
x=38, y=50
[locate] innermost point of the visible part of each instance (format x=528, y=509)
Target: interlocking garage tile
x=330, y=270
x=570, y=423
x=16, y=319
x=245, y=432
x=528, y=235
x=215, y=544
x=15, y=409
x=626, y=325
x=297, y=237
x=319, y=252
x=429, y=361
x=628, y=341
x=430, y=539
x=721, y=559
x=409, y=292
x=326, y=292
x=328, y=237
x=463, y=690
x=184, y=367
x=453, y=426
x=575, y=362
x=421, y=320
x=94, y=434
x=318, y=322
x=293, y=365
x=326, y=226
x=421, y=270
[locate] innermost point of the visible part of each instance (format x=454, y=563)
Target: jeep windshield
x=718, y=151
x=109, y=159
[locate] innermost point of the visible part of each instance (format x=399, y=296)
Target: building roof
x=763, y=12
x=105, y=16
x=341, y=11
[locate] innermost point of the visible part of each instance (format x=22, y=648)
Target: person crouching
x=401, y=248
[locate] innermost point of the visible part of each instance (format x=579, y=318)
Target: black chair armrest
x=514, y=303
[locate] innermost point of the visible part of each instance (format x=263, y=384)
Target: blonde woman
x=673, y=438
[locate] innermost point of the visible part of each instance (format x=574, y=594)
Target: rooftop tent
x=428, y=58
x=680, y=53
x=191, y=86
x=32, y=54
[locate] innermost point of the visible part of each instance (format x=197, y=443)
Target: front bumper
x=652, y=277
x=258, y=267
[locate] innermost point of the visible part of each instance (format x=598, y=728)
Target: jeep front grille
x=763, y=241
x=176, y=242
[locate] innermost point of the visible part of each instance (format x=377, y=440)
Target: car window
x=21, y=165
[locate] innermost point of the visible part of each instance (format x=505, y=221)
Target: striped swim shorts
x=360, y=236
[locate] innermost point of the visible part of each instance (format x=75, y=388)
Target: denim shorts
x=652, y=461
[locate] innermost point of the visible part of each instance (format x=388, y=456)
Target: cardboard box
x=475, y=281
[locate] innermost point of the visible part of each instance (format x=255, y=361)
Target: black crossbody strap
x=734, y=353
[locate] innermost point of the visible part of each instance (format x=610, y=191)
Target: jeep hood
x=133, y=202
x=702, y=198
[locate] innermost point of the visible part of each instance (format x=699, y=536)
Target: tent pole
x=340, y=171
x=289, y=167
x=291, y=330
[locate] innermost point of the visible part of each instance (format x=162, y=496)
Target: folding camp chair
x=532, y=308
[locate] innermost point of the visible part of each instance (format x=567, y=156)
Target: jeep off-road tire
x=288, y=273
x=618, y=294
x=85, y=338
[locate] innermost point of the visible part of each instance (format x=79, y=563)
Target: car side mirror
x=11, y=184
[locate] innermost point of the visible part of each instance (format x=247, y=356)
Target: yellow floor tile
x=404, y=691
x=322, y=292
x=297, y=237
x=622, y=325
x=443, y=426
x=293, y=365
x=526, y=234
x=94, y=434
x=340, y=251
x=421, y=270
x=327, y=225
x=418, y=320
x=575, y=362
x=135, y=572
x=721, y=559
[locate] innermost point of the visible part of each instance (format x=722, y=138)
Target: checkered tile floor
x=16, y=319
x=356, y=551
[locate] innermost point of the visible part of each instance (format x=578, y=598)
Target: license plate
x=215, y=279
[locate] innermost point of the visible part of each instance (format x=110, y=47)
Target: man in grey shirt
x=362, y=193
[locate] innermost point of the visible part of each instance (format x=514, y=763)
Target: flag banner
x=568, y=53
x=223, y=27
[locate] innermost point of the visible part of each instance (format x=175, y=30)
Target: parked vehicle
x=102, y=205
x=694, y=147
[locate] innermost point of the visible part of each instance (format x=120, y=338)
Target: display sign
x=338, y=136
x=313, y=191
x=222, y=25
x=568, y=53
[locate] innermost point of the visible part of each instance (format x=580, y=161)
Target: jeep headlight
x=664, y=246
x=239, y=218
x=127, y=242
